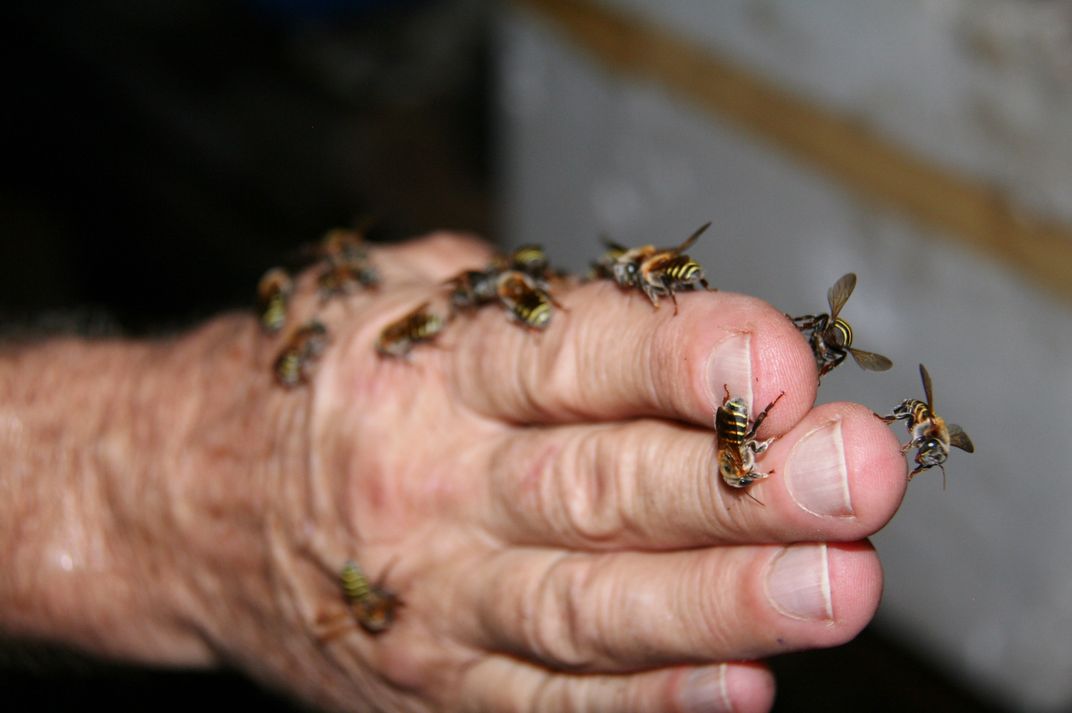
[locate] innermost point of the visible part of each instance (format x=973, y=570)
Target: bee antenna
x=761, y=503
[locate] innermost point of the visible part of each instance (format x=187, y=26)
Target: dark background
x=158, y=157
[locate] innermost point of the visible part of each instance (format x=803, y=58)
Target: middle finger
x=838, y=475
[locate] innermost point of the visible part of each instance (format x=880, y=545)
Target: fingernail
x=798, y=583
x=730, y=366
x=704, y=691
x=816, y=474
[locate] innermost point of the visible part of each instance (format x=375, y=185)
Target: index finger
x=610, y=356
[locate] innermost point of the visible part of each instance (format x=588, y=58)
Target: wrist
x=135, y=470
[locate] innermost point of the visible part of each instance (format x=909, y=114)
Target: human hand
x=547, y=506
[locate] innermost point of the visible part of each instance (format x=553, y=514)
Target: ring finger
x=615, y=612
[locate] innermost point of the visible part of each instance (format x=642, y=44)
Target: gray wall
x=979, y=575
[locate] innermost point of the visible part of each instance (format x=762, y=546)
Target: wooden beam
x=957, y=205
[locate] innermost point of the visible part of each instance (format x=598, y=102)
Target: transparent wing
x=927, y=388
x=839, y=294
x=870, y=360
x=958, y=438
x=691, y=239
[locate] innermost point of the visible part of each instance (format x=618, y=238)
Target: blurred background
x=158, y=157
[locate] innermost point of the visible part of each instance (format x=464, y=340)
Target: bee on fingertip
x=830, y=336
x=736, y=441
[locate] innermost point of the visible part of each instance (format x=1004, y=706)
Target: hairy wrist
x=135, y=480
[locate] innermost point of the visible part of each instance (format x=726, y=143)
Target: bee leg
x=763, y=415
x=726, y=394
x=918, y=469
x=650, y=292
x=760, y=502
x=673, y=298
x=329, y=629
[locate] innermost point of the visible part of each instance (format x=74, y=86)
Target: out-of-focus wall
x=979, y=576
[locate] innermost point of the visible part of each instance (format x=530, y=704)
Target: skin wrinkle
x=551, y=621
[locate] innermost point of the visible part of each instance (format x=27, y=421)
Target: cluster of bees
x=344, y=268
x=521, y=284
x=830, y=338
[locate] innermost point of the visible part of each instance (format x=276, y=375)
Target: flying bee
x=293, y=366
x=525, y=300
x=400, y=336
x=472, y=288
x=737, y=444
x=830, y=336
x=372, y=604
x=655, y=271
x=273, y=294
x=928, y=432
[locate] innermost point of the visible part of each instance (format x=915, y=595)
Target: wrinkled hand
x=548, y=507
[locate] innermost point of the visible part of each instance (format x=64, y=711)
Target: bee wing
x=870, y=360
x=839, y=294
x=958, y=438
x=611, y=245
x=927, y=388
x=691, y=239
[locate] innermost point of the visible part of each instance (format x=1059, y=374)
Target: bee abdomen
x=536, y=315
x=844, y=332
x=684, y=269
x=731, y=421
x=355, y=585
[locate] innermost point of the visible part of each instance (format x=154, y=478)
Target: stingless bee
x=294, y=364
x=273, y=294
x=928, y=432
x=737, y=444
x=830, y=336
x=373, y=605
x=655, y=271
x=525, y=300
x=400, y=336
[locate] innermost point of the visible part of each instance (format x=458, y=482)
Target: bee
x=293, y=366
x=655, y=271
x=373, y=605
x=273, y=294
x=346, y=264
x=472, y=288
x=830, y=336
x=532, y=260
x=400, y=336
x=928, y=432
x=737, y=444
x=525, y=300
x=603, y=268
x=344, y=278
